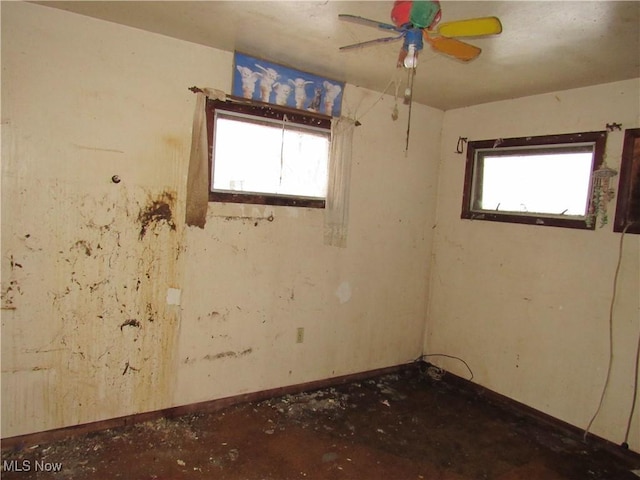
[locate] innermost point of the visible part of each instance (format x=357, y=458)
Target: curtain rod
x=232, y=98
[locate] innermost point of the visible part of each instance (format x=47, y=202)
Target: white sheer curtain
x=336, y=219
x=198, y=176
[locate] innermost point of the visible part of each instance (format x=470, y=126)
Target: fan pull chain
x=398, y=83
x=412, y=72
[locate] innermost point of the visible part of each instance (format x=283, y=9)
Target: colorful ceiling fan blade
x=452, y=47
x=473, y=27
x=371, y=42
x=418, y=13
x=367, y=22
x=423, y=13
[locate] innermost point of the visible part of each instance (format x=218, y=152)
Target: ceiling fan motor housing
x=413, y=37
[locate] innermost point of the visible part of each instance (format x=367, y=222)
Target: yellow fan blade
x=452, y=47
x=474, y=27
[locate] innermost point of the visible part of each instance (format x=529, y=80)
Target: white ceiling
x=545, y=45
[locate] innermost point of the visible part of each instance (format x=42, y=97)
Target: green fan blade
x=423, y=12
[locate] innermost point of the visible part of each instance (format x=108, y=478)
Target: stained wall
x=111, y=306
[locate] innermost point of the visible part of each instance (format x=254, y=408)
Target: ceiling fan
x=416, y=20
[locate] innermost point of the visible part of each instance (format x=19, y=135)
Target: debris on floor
x=401, y=426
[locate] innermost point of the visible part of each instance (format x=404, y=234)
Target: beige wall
x=87, y=330
x=527, y=307
x=82, y=100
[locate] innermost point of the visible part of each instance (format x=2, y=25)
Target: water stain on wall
x=110, y=341
x=156, y=213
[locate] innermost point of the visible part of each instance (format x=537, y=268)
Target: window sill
x=281, y=200
x=543, y=221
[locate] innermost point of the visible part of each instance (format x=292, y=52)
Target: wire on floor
x=437, y=373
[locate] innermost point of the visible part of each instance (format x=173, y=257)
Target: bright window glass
x=555, y=183
x=262, y=156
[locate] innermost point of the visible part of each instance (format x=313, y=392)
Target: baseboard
x=49, y=436
x=463, y=385
x=542, y=418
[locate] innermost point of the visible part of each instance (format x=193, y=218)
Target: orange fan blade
x=452, y=47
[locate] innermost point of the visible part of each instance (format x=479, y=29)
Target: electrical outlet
x=300, y=335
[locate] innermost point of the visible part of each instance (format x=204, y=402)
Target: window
x=628, y=208
x=266, y=154
x=536, y=180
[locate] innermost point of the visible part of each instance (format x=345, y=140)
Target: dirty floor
x=401, y=426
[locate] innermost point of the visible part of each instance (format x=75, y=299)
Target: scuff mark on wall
x=32, y=369
x=132, y=322
x=7, y=295
x=343, y=292
x=128, y=367
x=219, y=316
x=229, y=354
x=97, y=285
x=221, y=355
x=249, y=219
x=11, y=286
x=82, y=246
x=151, y=313
x=14, y=264
x=96, y=149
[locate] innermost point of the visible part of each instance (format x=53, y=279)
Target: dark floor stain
x=400, y=427
x=157, y=212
